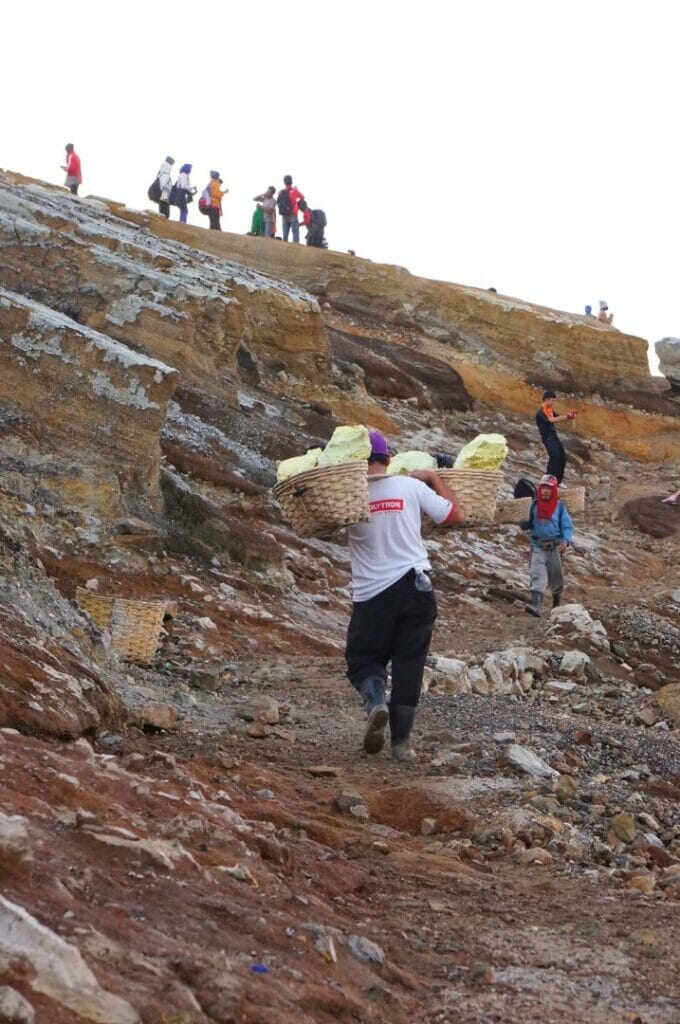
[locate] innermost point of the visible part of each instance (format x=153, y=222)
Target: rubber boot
x=534, y=607
x=557, y=600
x=373, y=692
x=402, y=717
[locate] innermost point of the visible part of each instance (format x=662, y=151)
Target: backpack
x=154, y=191
x=176, y=194
x=524, y=488
x=284, y=204
x=205, y=202
x=319, y=219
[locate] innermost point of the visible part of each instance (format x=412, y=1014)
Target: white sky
x=526, y=144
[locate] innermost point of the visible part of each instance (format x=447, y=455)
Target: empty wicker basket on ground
x=320, y=501
x=514, y=510
x=477, y=490
x=574, y=499
x=134, y=625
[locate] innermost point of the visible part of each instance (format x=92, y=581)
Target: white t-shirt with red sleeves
x=389, y=545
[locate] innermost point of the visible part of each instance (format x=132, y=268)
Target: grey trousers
x=545, y=570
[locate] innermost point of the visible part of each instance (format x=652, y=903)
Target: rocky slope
x=199, y=840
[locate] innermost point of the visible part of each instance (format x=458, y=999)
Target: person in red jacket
x=287, y=202
x=74, y=176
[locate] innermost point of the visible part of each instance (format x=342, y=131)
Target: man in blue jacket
x=551, y=532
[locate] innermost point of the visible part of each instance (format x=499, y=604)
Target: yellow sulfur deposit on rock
x=298, y=464
x=486, y=451
x=406, y=462
x=347, y=444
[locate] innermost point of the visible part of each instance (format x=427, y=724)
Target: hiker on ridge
x=551, y=532
x=394, y=607
x=546, y=418
x=165, y=183
x=315, y=222
x=184, y=191
x=603, y=316
x=74, y=176
x=287, y=202
x=268, y=201
x=216, y=194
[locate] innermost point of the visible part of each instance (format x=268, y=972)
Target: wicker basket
x=134, y=625
x=516, y=510
x=321, y=501
x=574, y=499
x=477, y=490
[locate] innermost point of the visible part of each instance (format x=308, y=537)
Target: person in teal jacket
x=551, y=534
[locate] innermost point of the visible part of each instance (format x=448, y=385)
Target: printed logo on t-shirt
x=386, y=505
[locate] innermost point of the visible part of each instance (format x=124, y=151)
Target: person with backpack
x=546, y=418
x=163, y=187
x=183, y=192
x=287, y=203
x=268, y=202
x=551, y=533
x=74, y=175
x=216, y=194
x=315, y=222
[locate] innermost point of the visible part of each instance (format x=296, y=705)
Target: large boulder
x=51, y=684
x=81, y=414
x=668, y=351
x=200, y=314
x=668, y=699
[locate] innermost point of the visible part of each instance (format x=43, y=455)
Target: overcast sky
x=526, y=144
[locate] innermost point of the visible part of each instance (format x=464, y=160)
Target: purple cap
x=378, y=443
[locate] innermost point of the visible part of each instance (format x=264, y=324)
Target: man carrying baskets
x=394, y=604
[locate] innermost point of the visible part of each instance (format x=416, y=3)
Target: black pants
x=557, y=458
x=214, y=216
x=395, y=625
x=164, y=208
x=74, y=188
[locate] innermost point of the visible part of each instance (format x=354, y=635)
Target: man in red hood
x=551, y=532
x=74, y=175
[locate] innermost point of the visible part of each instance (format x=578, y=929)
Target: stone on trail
x=450, y=675
x=323, y=771
x=643, y=883
x=478, y=681
x=155, y=716
x=528, y=762
x=348, y=798
x=668, y=699
x=263, y=709
x=364, y=950
x=646, y=716
x=15, y=843
x=259, y=730
x=325, y=946
x=428, y=827
x=535, y=855
x=574, y=663
x=623, y=827
x=205, y=678
x=59, y=970
x=14, y=1009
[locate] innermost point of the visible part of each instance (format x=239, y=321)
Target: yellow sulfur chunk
x=348, y=444
x=486, y=451
x=406, y=462
x=298, y=464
